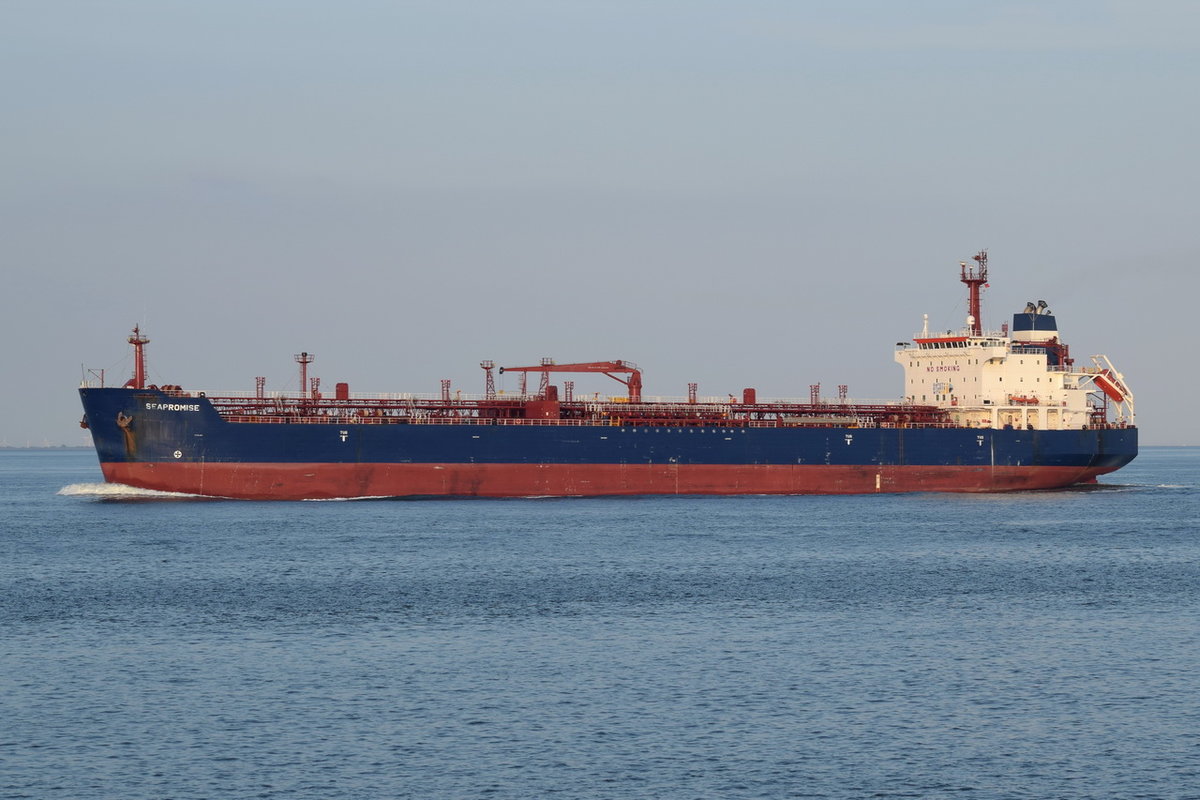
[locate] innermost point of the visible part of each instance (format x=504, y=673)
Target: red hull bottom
x=327, y=481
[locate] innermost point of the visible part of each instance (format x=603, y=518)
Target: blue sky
x=763, y=194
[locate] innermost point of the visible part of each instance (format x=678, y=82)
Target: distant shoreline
x=45, y=447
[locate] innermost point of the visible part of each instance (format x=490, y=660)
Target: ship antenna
x=974, y=278
x=139, y=343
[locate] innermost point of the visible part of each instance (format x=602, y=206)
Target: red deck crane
x=610, y=368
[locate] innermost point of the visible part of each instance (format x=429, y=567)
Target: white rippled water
x=116, y=491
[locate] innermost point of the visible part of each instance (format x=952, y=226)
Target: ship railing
x=274, y=419
x=607, y=402
x=294, y=396
x=634, y=422
x=999, y=336
x=456, y=396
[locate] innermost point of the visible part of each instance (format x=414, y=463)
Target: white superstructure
x=1022, y=379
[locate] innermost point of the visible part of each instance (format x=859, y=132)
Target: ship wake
x=121, y=492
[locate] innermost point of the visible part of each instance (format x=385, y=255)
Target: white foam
x=117, y=491
x=346, y=499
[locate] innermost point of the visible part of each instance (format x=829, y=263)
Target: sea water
x=1031, y=645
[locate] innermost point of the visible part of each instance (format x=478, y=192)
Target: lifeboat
x=1108, y=384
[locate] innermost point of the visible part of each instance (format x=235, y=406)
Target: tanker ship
x=982, y=411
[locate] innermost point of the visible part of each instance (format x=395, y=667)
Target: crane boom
x=612, y=369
